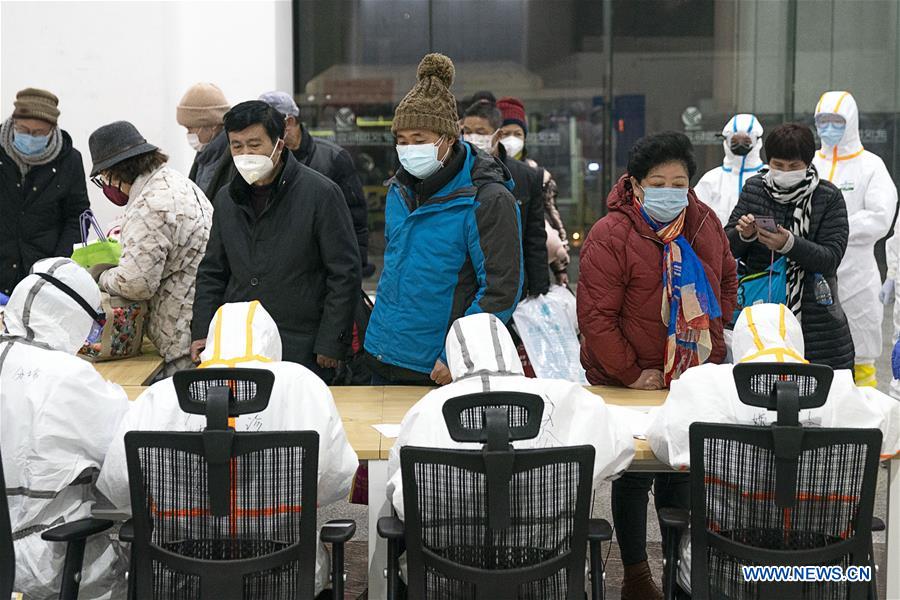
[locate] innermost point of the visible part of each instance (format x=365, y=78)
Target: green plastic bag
x=100, y=252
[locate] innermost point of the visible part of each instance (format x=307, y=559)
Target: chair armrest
x=877, y=524
x=675, y=518
x=76, y=530
x=338, y=531
x=391, y=528
x=126, y=532
x=599, y=530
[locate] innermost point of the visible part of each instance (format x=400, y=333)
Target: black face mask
x=741, y=149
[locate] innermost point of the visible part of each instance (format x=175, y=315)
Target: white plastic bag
x=547, y=326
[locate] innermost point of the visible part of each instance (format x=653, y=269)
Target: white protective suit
x=719, y=188
x=57, y=418
x=482, y=357
x=763, y=333
x=300, y=401
x=871, y=198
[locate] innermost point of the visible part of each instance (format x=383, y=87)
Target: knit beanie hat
x=429, y=104
x=32, y=103
x=203, y=105
x=513, y=112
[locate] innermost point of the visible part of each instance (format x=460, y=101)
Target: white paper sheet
x=388, y=430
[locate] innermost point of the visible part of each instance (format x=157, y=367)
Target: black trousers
x=629, y=508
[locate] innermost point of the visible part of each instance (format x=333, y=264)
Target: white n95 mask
x=513, y=145
x=195, y=143
x=254, y=167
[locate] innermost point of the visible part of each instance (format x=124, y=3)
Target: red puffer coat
x=620, y=288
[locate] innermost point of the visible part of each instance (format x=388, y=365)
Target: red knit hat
x=513, y=112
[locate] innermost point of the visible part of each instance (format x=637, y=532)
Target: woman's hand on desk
x=650, y=379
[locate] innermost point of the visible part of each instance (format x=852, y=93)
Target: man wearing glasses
x=42, y=187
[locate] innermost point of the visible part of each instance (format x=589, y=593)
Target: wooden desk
x=133, y=391
x=136, y=371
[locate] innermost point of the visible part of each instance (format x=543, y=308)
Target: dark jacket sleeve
x=338, y=249
x=534, y=241
x=351, y=186
x=600, y=296
x=739, y=247
x=495, y=248
x=825, y=253
x=76, y=202
x=212, y=279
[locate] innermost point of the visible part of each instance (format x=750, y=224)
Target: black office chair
x=220, y=514
x=780, y=495
x=496, y=523
x=74, y=534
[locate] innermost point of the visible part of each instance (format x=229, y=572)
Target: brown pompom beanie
x=430, y=104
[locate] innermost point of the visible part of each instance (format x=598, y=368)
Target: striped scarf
x=801, y=197
x=688, y=302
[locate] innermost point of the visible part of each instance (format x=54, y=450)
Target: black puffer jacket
x=39, y=212
x=336, y=164
x=529, y=194
x=825, y=330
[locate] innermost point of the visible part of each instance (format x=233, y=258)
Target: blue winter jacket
x=453, y=248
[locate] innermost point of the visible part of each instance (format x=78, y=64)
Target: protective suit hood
x=768, y=333
x=239, y=333
x=40, y=312
x=843, y=104
x=749, y=124
x=480, y=344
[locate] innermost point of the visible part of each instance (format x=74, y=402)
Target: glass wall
x=595, y=75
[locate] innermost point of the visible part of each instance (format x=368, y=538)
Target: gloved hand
x=886, y=295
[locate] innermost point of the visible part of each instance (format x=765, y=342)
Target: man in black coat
x=280, y=235
x=42, y=187
x=330, y=160
x=480, y=124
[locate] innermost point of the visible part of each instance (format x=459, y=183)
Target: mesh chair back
x=7, y=556
x=780, y=494
x=219, y=514
x=249, y=389
x=459, y=547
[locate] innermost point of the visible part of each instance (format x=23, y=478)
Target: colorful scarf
x=688, y=303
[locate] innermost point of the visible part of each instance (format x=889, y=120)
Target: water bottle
x=823, y=291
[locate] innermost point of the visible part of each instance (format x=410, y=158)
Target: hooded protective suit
x=244, y=335
x=720, y=188
x=763, y=333
x=57, y=418
x=482, y=358
x=871, y=199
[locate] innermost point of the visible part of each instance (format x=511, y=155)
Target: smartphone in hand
x=766, y=223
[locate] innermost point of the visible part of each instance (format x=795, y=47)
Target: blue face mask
x=831, y=133
x=665, y=204
x=420, y=160
x=30, y=145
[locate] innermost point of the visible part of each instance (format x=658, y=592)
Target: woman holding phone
x=787, y=210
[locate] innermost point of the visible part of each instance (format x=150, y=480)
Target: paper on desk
x=388, y=430
x=637, y=417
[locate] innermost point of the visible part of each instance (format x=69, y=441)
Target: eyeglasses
x=19, y=128
x=97, y=181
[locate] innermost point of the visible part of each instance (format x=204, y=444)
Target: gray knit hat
x=430, y=104
x=113, y=143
